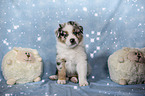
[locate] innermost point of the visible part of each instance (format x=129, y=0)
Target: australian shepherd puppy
x=71, y=57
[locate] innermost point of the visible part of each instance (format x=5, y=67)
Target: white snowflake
x=92, y=40
x=93, y=77
x=138, y=9
x=96, y=14
x=107, y=83
x=103, y=9
x=111, y=19
x=13, y=6
x=139, y=24
x=98, y=33
x=4, y=41
x=120, y=18
x=43, y=80
x=98, y=47
x=39, y=39
x=134, y=0
x=46, y=94
x=95, y=51
x=84, y=9
x=33, y=5
x=142, y=7
x=16, y=26
x=76, y=10
x=7, y=94
x=87, y=35
x=98, y=38
x=92, y=32
x=91, y=55
x=75, y=87
x=55, y=94
x=87, y=46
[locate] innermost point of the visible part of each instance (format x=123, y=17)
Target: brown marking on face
x=77, y=30
x=61, y=35
x=78, y=34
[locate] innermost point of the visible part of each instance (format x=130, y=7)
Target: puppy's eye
x=75, y=33
x=62, y=33
x=26, y=53
x=65, y=35
x=135, y=53
x=58, y=63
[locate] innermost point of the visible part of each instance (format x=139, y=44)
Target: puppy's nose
x=139, y=56
x=72, y=40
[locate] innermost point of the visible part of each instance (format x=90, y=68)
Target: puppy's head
x=70, y=34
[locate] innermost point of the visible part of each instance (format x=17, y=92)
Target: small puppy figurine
x=71, y=57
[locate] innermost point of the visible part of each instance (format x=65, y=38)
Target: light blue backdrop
x=108, y=25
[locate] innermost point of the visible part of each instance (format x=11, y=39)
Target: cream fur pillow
x=127, y=66
x=22, y=65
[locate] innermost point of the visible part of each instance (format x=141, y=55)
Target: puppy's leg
x=74, y=79
x=61, y=71
x=54, y=77
x=82, y=73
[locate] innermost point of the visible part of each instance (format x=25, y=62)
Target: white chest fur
x=72, y=56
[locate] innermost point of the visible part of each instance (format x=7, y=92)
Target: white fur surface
x=124, y=71
x=18, y=71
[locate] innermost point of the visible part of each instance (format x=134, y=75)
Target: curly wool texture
x=127, y=66
x=22, y=65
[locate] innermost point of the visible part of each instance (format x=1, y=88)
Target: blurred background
x=108, y=26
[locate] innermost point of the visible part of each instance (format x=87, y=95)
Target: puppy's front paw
x=74, y=79
x=61, y=81
x=83, y=83
x=53, y=77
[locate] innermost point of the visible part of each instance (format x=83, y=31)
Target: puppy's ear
x=60, y=25
x=71, y=22
x=57, y=33
x=81, y=29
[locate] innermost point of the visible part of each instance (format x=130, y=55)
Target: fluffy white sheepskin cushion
x=127, y=66
x=22, y=65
